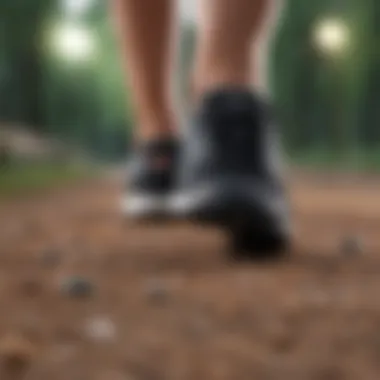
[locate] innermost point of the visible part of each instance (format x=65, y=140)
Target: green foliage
x=87, y=103
x=20, y=68
x=326, y=104
x=24, y=178
x=326, y=101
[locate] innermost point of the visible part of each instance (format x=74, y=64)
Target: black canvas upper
x=153, y=166
x=232, y=135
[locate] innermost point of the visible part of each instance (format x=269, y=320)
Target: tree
x=20, y=66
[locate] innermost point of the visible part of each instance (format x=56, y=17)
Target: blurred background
x=84, y=296
x=61, y=84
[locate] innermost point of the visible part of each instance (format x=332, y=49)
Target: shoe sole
x=146, y=208
x=254, y=231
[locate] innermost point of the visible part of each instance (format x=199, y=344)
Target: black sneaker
x=151, y=180
x=230, y=172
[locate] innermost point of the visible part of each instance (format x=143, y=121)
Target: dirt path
x=83, y=296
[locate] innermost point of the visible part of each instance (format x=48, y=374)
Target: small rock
x=77, y=287
x=157, y=291
x=100, y=329
x=351, y=245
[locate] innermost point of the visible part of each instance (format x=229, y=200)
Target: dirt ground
x=85, y=296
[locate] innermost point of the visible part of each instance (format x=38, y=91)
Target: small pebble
x=100, y=329
x=77, y=287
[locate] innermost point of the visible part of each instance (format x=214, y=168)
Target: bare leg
x=228, y=37
x=145, y=30
x=231, y=173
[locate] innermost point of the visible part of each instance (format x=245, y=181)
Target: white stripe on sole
x=137, y=205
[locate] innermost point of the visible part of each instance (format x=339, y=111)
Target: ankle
x=156, y=130
x=218, y=79
x=156, y=126
x=155, y=135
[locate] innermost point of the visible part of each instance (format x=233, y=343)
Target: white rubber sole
x=181, y=204
x=137, y=206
